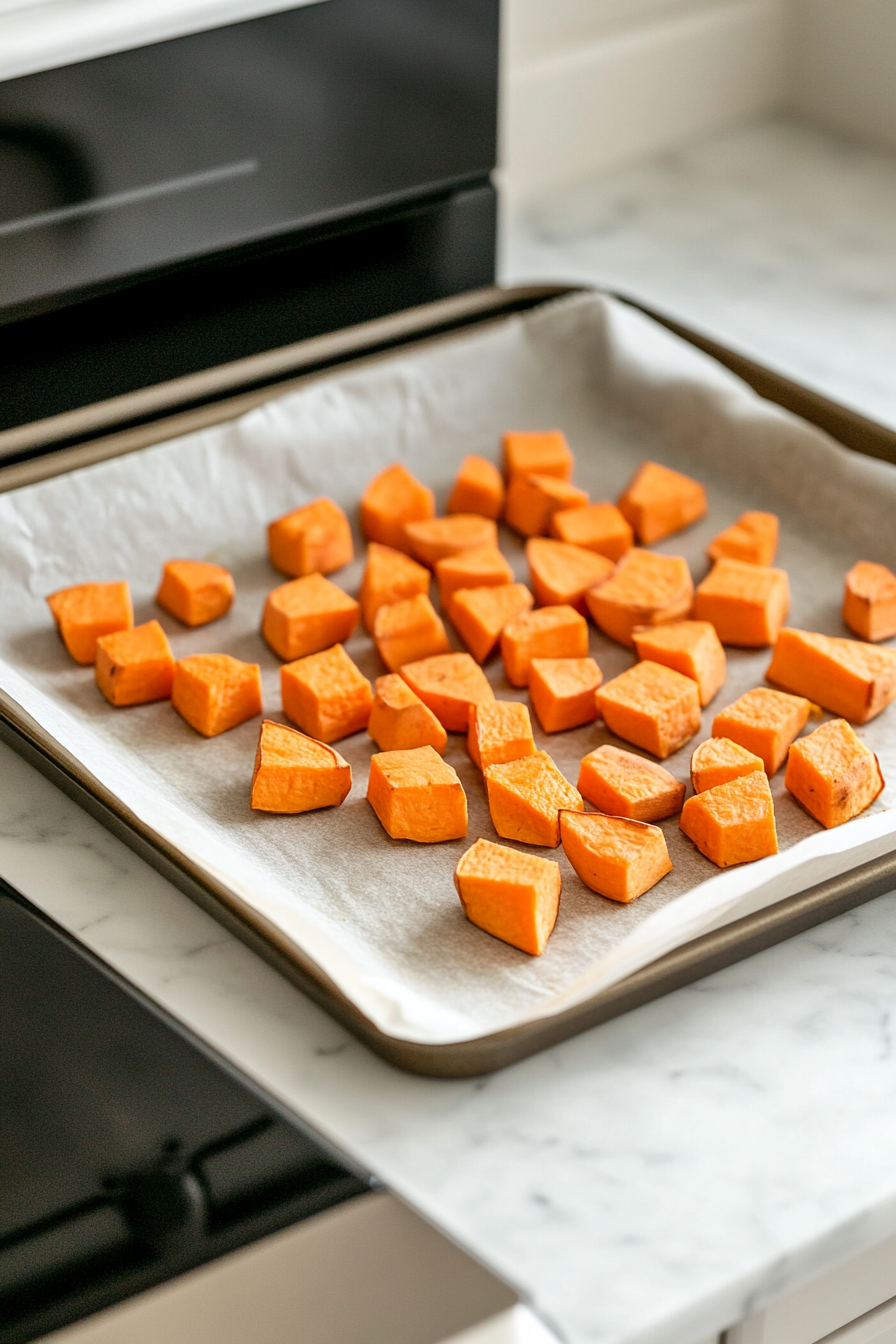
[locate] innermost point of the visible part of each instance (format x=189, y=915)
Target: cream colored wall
x=843, y=66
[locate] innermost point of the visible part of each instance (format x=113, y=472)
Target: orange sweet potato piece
x=754, y=538
x=313, y=539
x=562, y=574
x=399, y=720
x=595, y=527
x=326, y=694
x=480, y=614
x=549, y=632
x=614, y=856
x=449, y=684
x=195, y=591
x=652, y=706
x=472, y=569
x=765, y=722
x=511, y=895
x=499, y=732
x=734, y=822
x=408, y=630
x=477, y=489
x=851, y=679
x=533, y=500
x=293, y=773
x=416, y=796
x=544, y=452
x=690, y=647
x=215, y=692
x=658, y=501
x=394, y=497
x=644, y=589
x=746, y=603
x=718, y=760
x=869, y=601
x=625, y=785
x=526, y=797
x=389, y=576
x=306, y=615
x=562, y=692
x=436, y=539
x=86, y=611
x=135, y=666
x=833, y=774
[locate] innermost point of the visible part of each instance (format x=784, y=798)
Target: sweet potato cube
x=869, y=601
x=690, y=647
x=499, y=732
x=614, y=856
x=601, y=528
x=511, y=895
x=562, y=692
x=394, y=497
x=293, y=773
x=734, y=822
x=399, y=720
x=389, y=576
x=652, y=706
x=408, y=630
x=549, y=632
x=436, y=539
x=765, y=722
x=416, y=796
x=718, y=760
x=313, y=539
x=485, y=568
x=644, y=589
x=847, y=677
x=544, y=452
x=480, y=614
x=449, y=684
x=86, y=611
x=306, y=615
x=326, y=695
x=135, y=666
x=562, y=574
x=833, y=774
x=215, y=692
x=533, y=500
x=754, y=538
x=477, y=489
x=526, y=797
x=658, y=501
x=746, y=603
x=195, y=591
x=625, y=785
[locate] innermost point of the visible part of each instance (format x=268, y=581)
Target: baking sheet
x=380, y=918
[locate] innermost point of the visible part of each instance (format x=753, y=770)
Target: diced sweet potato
x=511, y=895
x=625, y=785
x=326, y=695
x=408, y=630
x=765, y=722
x=562, y=574
x=215, y=692
x=485, y=568
x=399, y=720
x=389, y=576
x=614, y=856
x=734, y=822
x=526, y=797
x=416, y=796
x=544, y=452
x=196, y=592
x=86, y=611
x=306, y=615
x=135, y=666
x=754, y=538
x=652, y=706
x=314, y=539
x=562, y=692
x=477, y=489
x=658, y=501
x=293, y=773
x=437, y=539
x=718, y=760
x=869, y=601
x=849, y=678
x=449, y=684
x=394, y=497
x=533, y=500
x=549, y=632
x=499, y=732
x=746, y=603
x=644, y=589
x=601, y=528
x=690, y=647
x=833, y=774
x=480, y=614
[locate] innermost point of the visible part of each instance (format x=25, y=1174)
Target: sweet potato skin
x=833, y=774
x=134, y=667
x=733, y=823
x=294, y=773
x=86, y=611
x=417, y=796
x=614, y=856
x=509, y=894
x=196, y=592
x=851, y=679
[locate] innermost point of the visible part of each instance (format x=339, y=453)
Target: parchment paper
x=381, y=917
